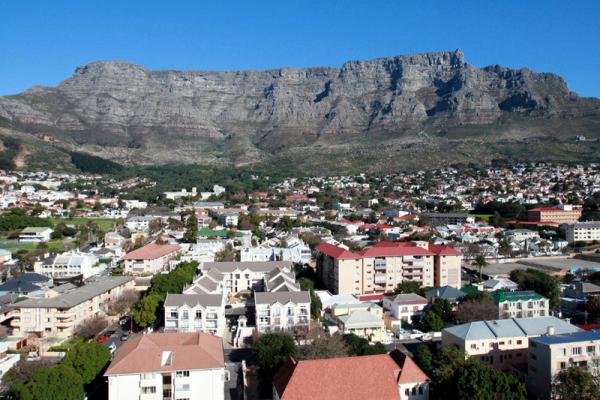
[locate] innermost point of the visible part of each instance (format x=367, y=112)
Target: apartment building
x=583, y=232
x=282, y=311
x=393, y=376
x=562, y=214
x=245, y=276
x=139, y=223
x=521, y=304
x=67, y=265
x=35, y=235
x=504, y=342
x=150, y=259
x=438, y=219
x=61, y=314
x=380, y=268
x=168, y=366
x=296, y=254
x=195, y=313
x=550, y=354
x=405, y=306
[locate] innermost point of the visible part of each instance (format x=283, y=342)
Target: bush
x=88, y=359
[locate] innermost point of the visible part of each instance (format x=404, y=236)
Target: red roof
x=335, y=252
x=347, y=378
x=152, y=251
x=443, y=250
x=371, y=297
x=385, y=249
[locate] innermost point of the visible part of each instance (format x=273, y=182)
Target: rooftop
x=152, y=251
x=583, y=336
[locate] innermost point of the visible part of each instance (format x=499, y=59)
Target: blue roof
x=582, y=336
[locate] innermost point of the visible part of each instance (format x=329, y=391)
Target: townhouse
x=168, y=366
x=69, y=265
x=246, y=276
x=380, y=268
x=195, y=313
x=284, y=311
x=149, y=259
x=393, y=376
x=60, y=314
x=521, y=304
x=502, y=343
x=548, y=355
x=405, y=306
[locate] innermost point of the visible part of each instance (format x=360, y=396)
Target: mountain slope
x=396, y=112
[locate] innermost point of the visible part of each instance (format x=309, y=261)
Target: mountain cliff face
x=389, y=107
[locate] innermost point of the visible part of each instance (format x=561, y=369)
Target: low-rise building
x=502, y=343
x=69, y=264
x=245, y=276
x=29, y=284
x=449, y=218
x=195, y=313
x=61, y=314
x=35, y=235
x=561, y=214
x=282, y=311
x=521, y=304
x=405, y=306
x=450, y=293
x=175, y=366
x=550, y=354
x=150, y=259
x=139, y=223
x=363, y=320
x=584, y=232
x=393, y=376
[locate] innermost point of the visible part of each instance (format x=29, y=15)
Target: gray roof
x=78, y=295
x=257, y=266
x=505, y=328
x=409, y=298
x=360, y=319
x=281, y=297
x=204, y=282
x=191, y=300
x=445, y=292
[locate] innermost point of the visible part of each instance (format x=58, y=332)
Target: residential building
x=328, y=300
x=450, y=293
x=69, y=264
x=61, y=314
x=504, y=342
x=139, y=223
x=7, y=360
x=497, y=283
x=5, y=256
x=29, y=284
x=363, y=319
x=581, y=290
x=35, y=235
x=449, y=218
x=562, y=214
x=405, y=306
x=114, y=239
x=585, y=232
x=380, y=268
x=393, y=376
x=173, y=366
x=550, y=354
x=282, y=311
x=245, y=276
x=228, y=218
x=195, y=313
x=150, y=259
x=521, y=304
x=297, y=254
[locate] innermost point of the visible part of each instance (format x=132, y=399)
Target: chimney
x=550, y=331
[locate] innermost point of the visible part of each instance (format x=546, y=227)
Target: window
x=407, y=392
x=174, y=314
x=148, y=389
x=420, y=389
x=414, y=391
x=519, y=342
x=576, y=351
x=198, y=314
x=591, y=349
x=184, y=314
x=563, y=365
x=181, y=374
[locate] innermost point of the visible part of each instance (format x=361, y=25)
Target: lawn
x=106, y=224
x=12, y=245
x=483, y=217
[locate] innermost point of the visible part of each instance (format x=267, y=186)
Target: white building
x=296, y=254
x=228, y=218
x=245, y=276
x=69, y=264
x=180, y=194
x=195, y=313
x=175, y=366
x=405, y=306
x=7, y=361
x=583, y=232
x=139, y=223
x=521, y=304
x=281, y=311
x=35, y=235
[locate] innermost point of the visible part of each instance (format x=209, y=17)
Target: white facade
x=297, y=254
x=35, y=235
x=282, y=311
x=139, y=224
x=69, y=264
x=583, y=232
x=404, y=307
x=195, y=313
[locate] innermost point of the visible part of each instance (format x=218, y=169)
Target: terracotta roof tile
x=152, y=251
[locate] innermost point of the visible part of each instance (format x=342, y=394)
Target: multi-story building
x=583, y=232
x=550, y=354
x=246, y=276
x=521, y=304
x=195, y=313
x=61, y=314
x=282, y=311
x=67, y=265
x=35, y=235
x=449, y=218
x=562, y=214
x=379, y=269
x=297, y=254
x=393, y=376
x=150, y=259
x=139, y=223
x=168, y=366
x=504, y=342
x=405, y=306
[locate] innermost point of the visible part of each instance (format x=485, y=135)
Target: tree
x=358, y=346
x=318, y=344
x=575, y=383
x=315, y=305
x=481, y=262
x=409, y=287
x=424, y=358
x=124, y=302
x=272, y=350
x=191, y=232
x=432, y=322
x=472, y=310
x=91, y=327
x=58, y=382
x=144, y=312
x=538, y=281
x=88, y=359
x=443, y=308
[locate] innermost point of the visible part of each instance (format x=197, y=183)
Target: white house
x=139, y=223
x=195, y=313
x=69, y=264
x=35, y=235
x=160, y=366
x=405, y=306
x=281, y=311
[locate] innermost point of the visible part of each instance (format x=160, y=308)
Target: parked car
x=102, y=339
x=112, y=347
x=125, y=320
x=124, y=337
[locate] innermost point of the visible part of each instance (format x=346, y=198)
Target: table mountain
x=395, y=112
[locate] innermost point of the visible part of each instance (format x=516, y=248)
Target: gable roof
x=445, y=292
x=192, y=300
x=281, y=297
x=190, y=351
x=346, y=378
x=152, y=251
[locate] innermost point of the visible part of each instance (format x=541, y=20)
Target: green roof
x=469, y=289
x=501, y=296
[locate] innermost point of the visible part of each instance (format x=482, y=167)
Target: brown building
x=562, y=214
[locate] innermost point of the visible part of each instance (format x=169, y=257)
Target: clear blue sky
x=43, y=41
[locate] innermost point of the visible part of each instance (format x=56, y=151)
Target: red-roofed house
x=378, y=377
x=150, y=259
x=380, y=268
x=168, y=365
